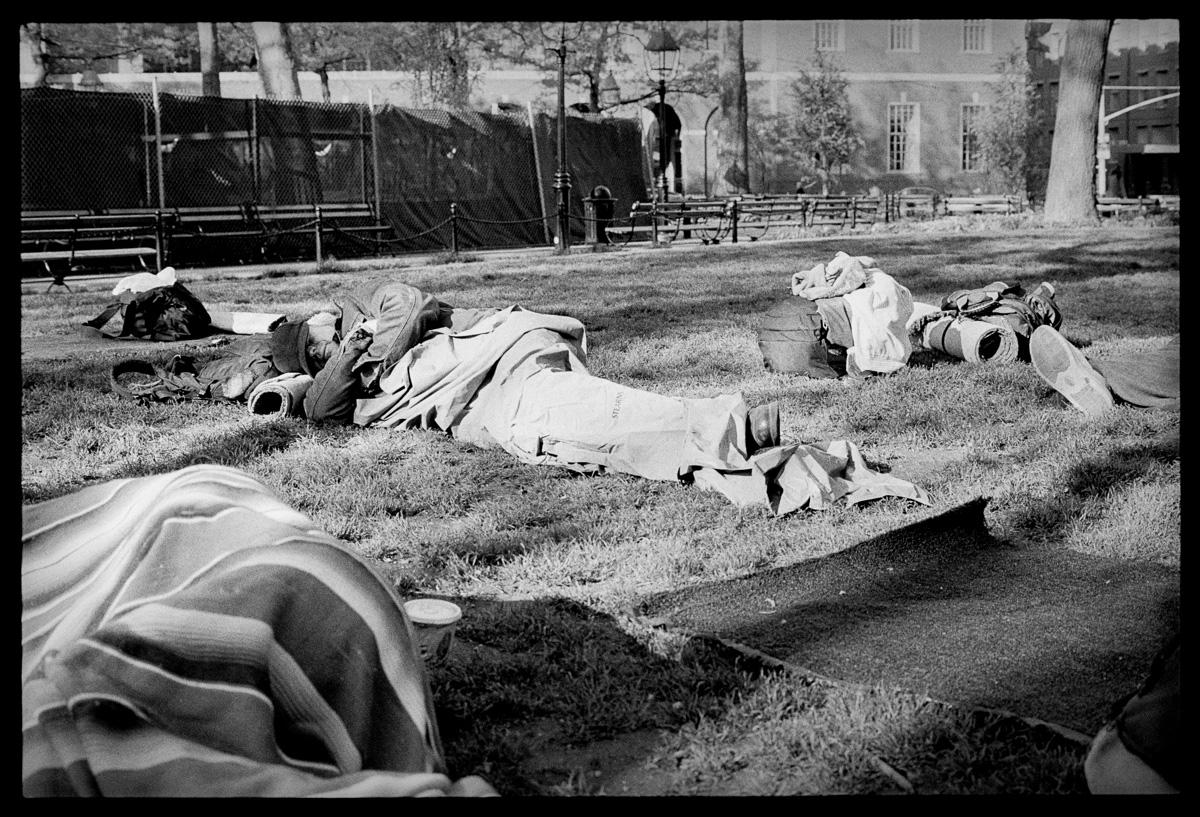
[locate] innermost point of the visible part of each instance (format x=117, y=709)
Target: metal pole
x=317, y=231
x=1101, y=158
x=375, y=158
x=254, y=149
x=706, y=120
x=158, y=151
x=454, y=228
x=537, y=169
x=562, y=179
x=662, y=136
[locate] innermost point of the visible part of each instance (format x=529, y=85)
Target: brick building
x=1140, y=146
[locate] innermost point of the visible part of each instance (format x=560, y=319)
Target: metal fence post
x=158, y=146
x=734, y=209
x=317, y=230
x=159, y=241
x=454, y=228
x=376, y=184
x=253, y=149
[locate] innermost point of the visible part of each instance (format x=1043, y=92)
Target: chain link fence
x=249, y=180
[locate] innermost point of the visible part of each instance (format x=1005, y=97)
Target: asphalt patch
x=942, y=608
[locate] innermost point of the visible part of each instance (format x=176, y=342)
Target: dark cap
x=289, y=347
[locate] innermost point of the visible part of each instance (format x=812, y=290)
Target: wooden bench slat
x=115, y=252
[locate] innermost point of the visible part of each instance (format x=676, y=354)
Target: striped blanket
x=188, y=634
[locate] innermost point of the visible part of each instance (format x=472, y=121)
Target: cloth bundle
x=790, y=477
x=844, y=274
x=281, y=396
x=975, y=341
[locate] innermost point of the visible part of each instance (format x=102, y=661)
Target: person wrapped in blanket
x=189, y=634
x=393, y=355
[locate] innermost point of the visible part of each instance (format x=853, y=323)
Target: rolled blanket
x=245, y=323
x=282, y=396
x=971, y=340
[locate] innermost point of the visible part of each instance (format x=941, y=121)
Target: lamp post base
x=562, y=188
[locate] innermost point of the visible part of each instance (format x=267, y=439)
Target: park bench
x=83, y=238
x=915, y=205
x=755, y=215
x=1116, y=206
x=269, y=231
x=666, y=221
x=965, y=205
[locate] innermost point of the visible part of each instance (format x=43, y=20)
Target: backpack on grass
x=162, y=314
x=792, y=339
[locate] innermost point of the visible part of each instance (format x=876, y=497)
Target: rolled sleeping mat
x=281, y=396
x=971, y=340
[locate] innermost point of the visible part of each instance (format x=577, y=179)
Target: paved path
x=942, y=608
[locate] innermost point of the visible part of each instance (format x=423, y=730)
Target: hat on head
x=289, y=347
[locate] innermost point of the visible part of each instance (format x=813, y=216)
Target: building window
x=904, y=137
x=902, y=35
x=828, y=35
x=972, y=114
x=977, y=36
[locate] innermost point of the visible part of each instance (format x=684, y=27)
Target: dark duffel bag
x=792, y=339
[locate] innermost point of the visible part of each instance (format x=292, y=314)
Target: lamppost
x=662, y=58
x=562, y=178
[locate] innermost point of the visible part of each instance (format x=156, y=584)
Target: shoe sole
x=1067, y=371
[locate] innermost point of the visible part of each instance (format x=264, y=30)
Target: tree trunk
x=294, y=167
x=1071, y=189
x=210, y=59
x=733, y=144
x=323, y=75
x=32, y=34
x=276, y=66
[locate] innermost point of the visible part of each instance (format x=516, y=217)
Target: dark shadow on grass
x=943, y=608
x=549, y=696
x=1091, y=477
x=528, y=678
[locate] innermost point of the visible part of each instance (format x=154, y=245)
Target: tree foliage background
x=817, y=134
x=1013, y=142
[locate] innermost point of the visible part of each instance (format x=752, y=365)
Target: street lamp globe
x=662, y=55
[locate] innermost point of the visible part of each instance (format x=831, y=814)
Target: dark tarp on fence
x=84, y=150
x=481, y=162
x=95, y=150
x=604, y=152
x=311, y=152
x=207, y=151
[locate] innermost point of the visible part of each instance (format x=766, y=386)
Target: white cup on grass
x=434, y=622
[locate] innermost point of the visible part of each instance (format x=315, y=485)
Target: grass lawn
x=555, y=687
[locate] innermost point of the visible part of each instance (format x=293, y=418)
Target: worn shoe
x=763, y=427
x=1068, y=372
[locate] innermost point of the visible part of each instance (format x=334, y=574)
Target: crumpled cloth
x=787, y=478
x=844, y=274
x=282, y=396
x=145, y=281
x=189, y=634
x=879, y=314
